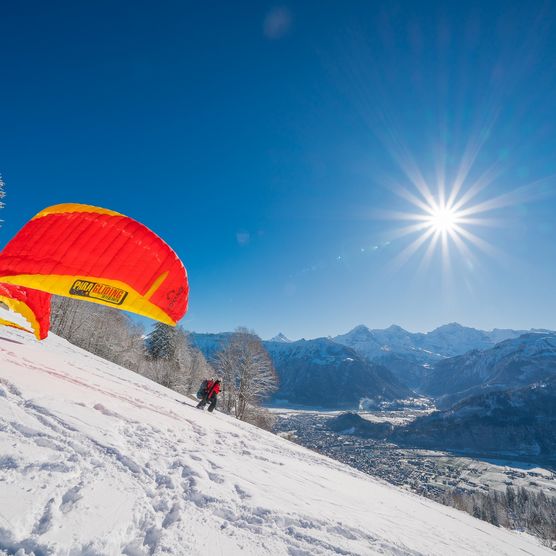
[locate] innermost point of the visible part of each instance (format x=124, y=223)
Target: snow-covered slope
x=95, y=459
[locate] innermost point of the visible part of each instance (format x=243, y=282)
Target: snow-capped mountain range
x=408, y=354
x=324, y=373
x=363, y=363
x=513, y=363
x=445, y=341
x=497, y=401
x=96, y=459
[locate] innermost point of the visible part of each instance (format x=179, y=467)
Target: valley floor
x=431, y=470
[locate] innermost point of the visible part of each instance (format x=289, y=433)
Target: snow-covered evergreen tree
x=161, y=342
x=2, y=195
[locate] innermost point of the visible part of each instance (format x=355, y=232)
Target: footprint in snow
x=214, y=466
x=172, y=516
x=215, y=478
x=70, y=498
x=45, y=522
x=243, y=494
x=188, y=471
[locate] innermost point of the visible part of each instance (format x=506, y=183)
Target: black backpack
x=203, y=388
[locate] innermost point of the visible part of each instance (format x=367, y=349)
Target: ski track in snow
x=96, y=460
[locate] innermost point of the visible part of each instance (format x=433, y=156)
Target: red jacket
x=212, y=388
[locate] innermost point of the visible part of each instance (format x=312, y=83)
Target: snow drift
x=95, y=459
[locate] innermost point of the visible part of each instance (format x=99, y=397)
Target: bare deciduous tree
x=247, y=372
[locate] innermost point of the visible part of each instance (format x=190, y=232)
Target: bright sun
x=442, y=219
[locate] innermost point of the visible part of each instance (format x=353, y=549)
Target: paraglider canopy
x=33, y=305
x=98, y=255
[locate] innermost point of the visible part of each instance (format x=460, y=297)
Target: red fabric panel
x=37, y=301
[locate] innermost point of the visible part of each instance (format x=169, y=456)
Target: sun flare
x=449, y=216
x=443, y=218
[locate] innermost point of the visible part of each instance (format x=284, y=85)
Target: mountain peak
x=451, y=326
x=281, y=338
x=396, y=328
x=360, y=330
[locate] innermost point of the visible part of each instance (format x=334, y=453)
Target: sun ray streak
x=427, y=257
x=533, y=191
x=482, y=244
x=411, y=249
x=488, y=177
x=472, y=150
x=413, y=199
x=462, y=247
x=407, y=230
x=446, y=262
x=412, y=171
x=486, y=222
x=398, y=215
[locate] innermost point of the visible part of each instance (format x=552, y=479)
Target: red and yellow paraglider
x=98, y=255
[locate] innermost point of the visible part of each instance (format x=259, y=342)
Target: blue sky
x=266, y=142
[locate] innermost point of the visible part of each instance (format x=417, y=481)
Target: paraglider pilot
x=210, y=394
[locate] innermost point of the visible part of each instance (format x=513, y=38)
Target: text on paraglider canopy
x=96, y=290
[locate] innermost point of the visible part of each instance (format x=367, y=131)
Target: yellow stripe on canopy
x=128, y=299
x=74, y=207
